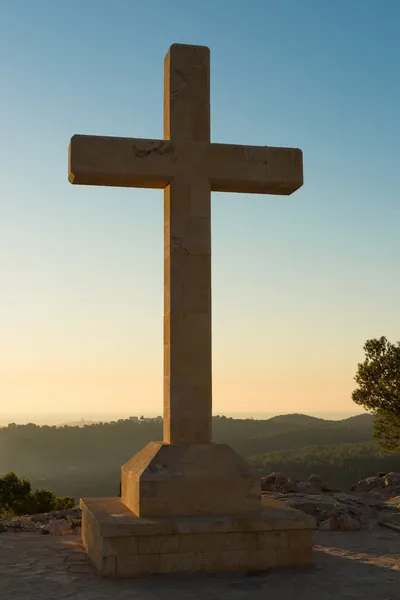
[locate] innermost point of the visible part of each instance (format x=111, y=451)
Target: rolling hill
x=85, y=461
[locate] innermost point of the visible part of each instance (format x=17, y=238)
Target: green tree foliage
x=13, y=491
x=378, y=379
x=387, y=430
x=65, y=502
x=341, y=466
x=17, y=497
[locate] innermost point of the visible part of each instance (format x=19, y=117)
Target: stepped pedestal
x=192, y=508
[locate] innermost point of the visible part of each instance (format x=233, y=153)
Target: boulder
x=341, y=522
x=392, y=479
x=317, y=482
x=308, y=488
x=314, y=506
x=274, y=482
x=290, y=487
x=59, y=527
x=370, y=484
x=394, y=502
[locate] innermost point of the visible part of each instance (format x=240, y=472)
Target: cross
x=188, y=167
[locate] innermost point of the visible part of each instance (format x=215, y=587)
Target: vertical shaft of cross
x=187, y=250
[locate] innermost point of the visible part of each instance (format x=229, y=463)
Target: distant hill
x=290, y=431
x=364, y=421
x=299, y=419
x=85, y=460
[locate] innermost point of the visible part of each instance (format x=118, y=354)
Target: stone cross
x=188, y=167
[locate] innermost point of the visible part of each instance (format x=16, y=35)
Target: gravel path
x=348, y=566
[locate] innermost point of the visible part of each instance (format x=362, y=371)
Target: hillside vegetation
x=85, y=461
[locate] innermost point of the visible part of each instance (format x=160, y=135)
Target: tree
x=378, y=379
x=17, y=498
x=13, y=490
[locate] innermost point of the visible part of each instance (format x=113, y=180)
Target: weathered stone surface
x=120, y=544
x=340, y=522
x=188, y=166
x=61, y=527
x=189, y=479
x=125, y=162
x=369, y=484
x=317, y=482
x=276, y=482
x=392, y=479
x=394, y=501
x=254, y=169
x=359, y=565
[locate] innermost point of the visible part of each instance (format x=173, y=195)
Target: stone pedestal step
x=120, y=544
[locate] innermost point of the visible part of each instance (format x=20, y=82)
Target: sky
x=299, y=283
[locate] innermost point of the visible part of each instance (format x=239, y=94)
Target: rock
x=341, y=522
x=358, y=500
x=308, y=488
x=273, y=482
x=22, y=525
x=266, y=486
x=369, y=484
x=74, y=513
x=71, y=519
x=290, y=487
x=389, y=516
x=392, y=479
x=280, y=479
x=376, y=496
x=395, y=502
x=317, y=482
x=269, y=479
x=311, y=506
x=59, y=527
x=304, y=505
x=374, y=502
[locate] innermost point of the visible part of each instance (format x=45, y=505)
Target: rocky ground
x=60, y=522
x=372, y=503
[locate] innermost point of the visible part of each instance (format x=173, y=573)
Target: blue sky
x=299, y=283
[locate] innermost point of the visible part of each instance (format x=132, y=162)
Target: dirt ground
x=348, y=566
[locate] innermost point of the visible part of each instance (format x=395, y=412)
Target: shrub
x=17, y=498
x=65, y=502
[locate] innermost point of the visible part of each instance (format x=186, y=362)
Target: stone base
x=165, y=480
x=120, y=544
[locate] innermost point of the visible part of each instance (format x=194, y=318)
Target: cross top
x=188, y=167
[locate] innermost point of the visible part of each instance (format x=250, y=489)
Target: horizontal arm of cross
x=133, y=162
x=254, y=169
x=120, y=162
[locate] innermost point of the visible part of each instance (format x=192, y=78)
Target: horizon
x=66, y=418
x=298, y=284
